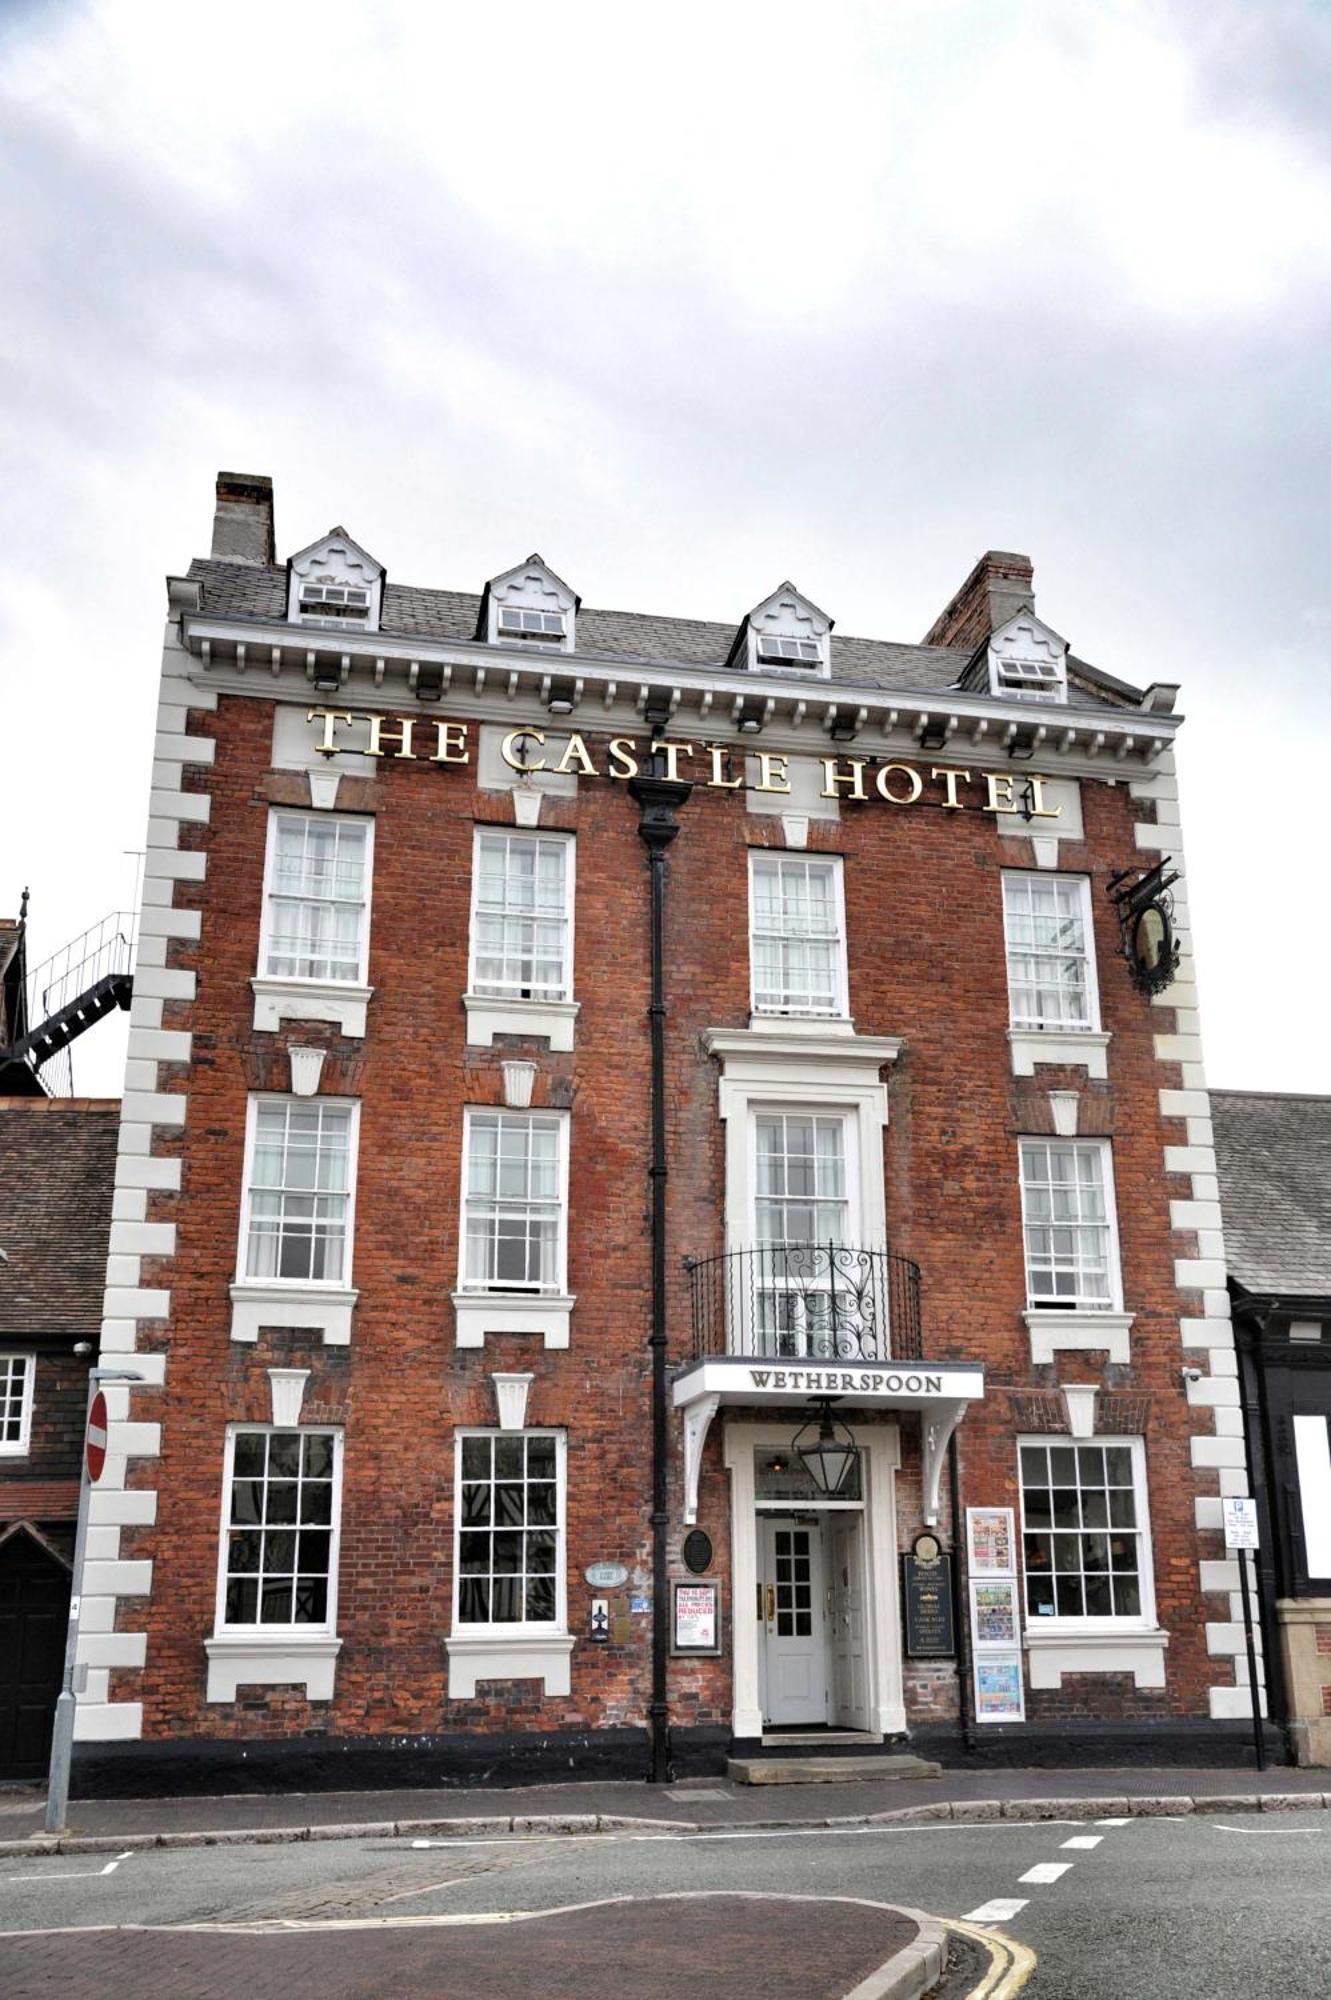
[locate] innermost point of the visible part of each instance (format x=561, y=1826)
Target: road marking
x=1113, y=1822
x=1045, y=1871
x=77, y=1874
x=1010, y=1963
x=1083, y=1840
x=1222, y=1827
x=1001, y=1910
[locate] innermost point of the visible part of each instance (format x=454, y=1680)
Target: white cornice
x=379, y=671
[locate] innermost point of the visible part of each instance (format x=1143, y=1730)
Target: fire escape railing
x=73, y=989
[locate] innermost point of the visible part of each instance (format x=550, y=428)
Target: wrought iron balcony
x=806, y=1301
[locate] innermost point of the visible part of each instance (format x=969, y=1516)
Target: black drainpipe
x=658, y=800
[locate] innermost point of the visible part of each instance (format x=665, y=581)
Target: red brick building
x=57, y=1164
x=476, y=1340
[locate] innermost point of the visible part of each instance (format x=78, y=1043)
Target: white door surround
x=880, y=1609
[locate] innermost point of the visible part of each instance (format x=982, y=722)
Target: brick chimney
x=999, y=586
x=243, y=523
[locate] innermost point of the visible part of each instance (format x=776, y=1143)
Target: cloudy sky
x=691, y=300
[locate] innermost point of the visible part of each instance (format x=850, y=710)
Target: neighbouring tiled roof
x=1274, y=1157
x=57, y=1168
x=247, y=590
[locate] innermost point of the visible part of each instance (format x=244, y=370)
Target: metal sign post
x=1241, y=1536
x=62, y=1733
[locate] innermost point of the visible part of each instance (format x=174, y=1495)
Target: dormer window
x=331, y=603
x=1028, y=661
x=336, y=585
x=774, y=651
x=529, y=606
x=786, y=633
x=1030, y=680
x=533, y=628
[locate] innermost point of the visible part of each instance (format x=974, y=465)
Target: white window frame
x=297, y=1285
x=518, y=1627
x=1030, y=1024
x=1036, y=1308
x=327, y=1626
x=1087, y=1625
x=803, y=1332
x=790, y=652
x=20, y=1447
x=327, y=615
x=539, y=639
x=266, y=927
x=847, y=1116
x=760, y=857
x=499, y=1001
x=1037, y=681
x=538, y=1296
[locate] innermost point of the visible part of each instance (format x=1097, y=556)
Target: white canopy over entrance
x=940, y=1391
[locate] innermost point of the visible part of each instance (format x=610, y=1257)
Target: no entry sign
x=95, y=1445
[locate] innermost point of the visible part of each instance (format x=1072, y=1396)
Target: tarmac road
x=1196, y=1908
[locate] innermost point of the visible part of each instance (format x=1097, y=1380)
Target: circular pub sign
x=95, y=1443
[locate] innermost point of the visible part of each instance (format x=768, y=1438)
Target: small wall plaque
x=606, y=1576
x=697, y=1551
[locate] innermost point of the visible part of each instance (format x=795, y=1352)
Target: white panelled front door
x=850, y=1650
x=794, y=1605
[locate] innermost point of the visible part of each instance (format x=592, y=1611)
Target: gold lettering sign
x=526, y=749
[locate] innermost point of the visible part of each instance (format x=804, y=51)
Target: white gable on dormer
x=787, y=630
x=336, y=583
x=530, y=605
x=1028, y=660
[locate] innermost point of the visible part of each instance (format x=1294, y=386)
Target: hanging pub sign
x=926, y=1593
x=1146, y=918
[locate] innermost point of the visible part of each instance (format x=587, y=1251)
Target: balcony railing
x=806, y=1301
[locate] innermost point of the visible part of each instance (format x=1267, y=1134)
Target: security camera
x=1191, y=1374
x=83, y=1348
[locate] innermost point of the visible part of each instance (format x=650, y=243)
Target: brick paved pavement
x=764, y=1948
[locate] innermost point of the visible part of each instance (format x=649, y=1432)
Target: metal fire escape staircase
x=47, y=1009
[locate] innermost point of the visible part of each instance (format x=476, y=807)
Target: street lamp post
x=62, y=1734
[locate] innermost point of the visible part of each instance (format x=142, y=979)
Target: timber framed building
x=572, y=1053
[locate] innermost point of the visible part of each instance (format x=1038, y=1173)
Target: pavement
x=693, y=1805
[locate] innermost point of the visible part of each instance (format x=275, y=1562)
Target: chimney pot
x=243, y=522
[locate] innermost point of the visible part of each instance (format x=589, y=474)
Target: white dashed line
x=1044, y=1872
x=1000, y=1911
x=1113, y=1822
x=1083, y=1840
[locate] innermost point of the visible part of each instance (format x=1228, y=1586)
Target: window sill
x=275, y=1657
x=278, y=1000
x=326, y=1309
x=547, y=1020
x=545, y=1313
x=1078, y=1330
x=520, y=1655
x=813, y=1025
x=1139, y=1652
x=1073, y=1048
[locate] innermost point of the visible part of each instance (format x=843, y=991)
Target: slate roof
x=250, y=590
x=57, y=1168
x=1274, y=1156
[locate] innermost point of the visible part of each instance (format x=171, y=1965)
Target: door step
x=825, y=1770
x=819, y=1739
